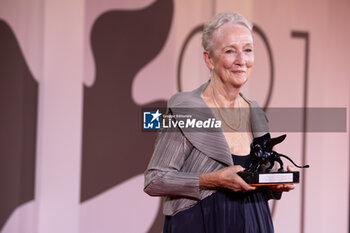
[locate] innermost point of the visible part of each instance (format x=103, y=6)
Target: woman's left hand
x=284, y=187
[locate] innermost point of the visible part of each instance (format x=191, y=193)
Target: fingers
x=237, y=187
x=247, y=187
x=290, y=187
x=243, y=186
x=238, y=168
x=287, y=188
x=283, y=187
x=290, y=168
x=230, y=179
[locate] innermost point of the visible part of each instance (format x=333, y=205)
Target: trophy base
x=270, y=178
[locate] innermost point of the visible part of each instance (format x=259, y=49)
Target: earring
x=210, y=74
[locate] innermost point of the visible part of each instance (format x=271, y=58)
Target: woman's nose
x=239, y=60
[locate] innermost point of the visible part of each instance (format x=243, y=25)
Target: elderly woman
x=196, y=172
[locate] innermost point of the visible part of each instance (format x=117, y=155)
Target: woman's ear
x=208, y=60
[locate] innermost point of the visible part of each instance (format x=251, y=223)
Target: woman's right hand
x=226, y=178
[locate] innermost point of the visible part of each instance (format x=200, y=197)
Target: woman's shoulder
x=179, y=98
x=188, y=98
x=185, y=100
x=252, y=103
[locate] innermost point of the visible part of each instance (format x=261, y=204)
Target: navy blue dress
x=225, y=211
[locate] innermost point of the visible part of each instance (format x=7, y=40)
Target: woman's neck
x=223, y=95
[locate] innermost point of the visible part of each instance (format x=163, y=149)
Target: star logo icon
x=156, y=115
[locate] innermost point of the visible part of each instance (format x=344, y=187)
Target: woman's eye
x=229, y=51
x=249, y=50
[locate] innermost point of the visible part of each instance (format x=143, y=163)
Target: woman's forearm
x=209, y=180
x=225, y=178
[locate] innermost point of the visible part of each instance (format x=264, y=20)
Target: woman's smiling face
x=232, y=56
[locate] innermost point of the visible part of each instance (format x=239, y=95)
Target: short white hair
x=219, y=20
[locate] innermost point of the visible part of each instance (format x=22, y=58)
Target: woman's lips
x=238, y=71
